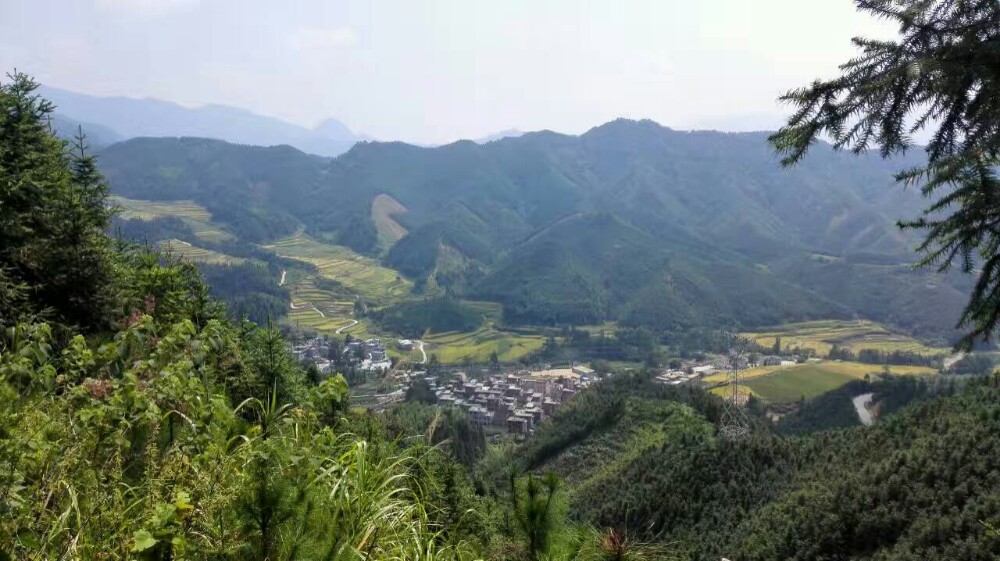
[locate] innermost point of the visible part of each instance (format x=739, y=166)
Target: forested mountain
x=132, y=117
x=98, y=136
x=920, y=484
x=630, y=221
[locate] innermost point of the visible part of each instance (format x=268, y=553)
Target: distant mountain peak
x=509, y=133
x=335, y=130
x=134, y=117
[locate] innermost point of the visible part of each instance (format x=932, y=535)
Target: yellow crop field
x=789, y=383
x=854, y=335
x=188, y=252
x=476, y=346
x=194, y=215
x=360, y=274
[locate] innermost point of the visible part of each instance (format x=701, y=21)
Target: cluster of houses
x=517, y=402
x=368, y=355
x=693, y=374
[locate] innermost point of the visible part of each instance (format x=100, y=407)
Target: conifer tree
x=941, y=74
x=53, y=216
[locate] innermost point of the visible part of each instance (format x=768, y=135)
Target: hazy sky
x=437, y=70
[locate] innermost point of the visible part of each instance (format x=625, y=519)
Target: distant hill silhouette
x=132, y=117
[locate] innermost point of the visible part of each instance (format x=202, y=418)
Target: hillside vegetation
x=138, y=422
x=630, y=221
x=920, y=484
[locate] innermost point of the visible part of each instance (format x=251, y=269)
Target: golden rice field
x=455, y=347
x=188, y=252
x=360, y=274
x=855, y=335
x=194, y=215
x=789, y=383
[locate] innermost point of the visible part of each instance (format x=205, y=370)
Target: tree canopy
x=942, y=74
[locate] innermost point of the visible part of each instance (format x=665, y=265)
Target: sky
x=432, y=71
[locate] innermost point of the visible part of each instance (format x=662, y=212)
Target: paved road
x=861, y=404
x=420, y=345
x=348, y=326
x=282, y=281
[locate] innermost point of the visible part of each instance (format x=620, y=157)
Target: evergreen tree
x=942, y=73
x=53, y=217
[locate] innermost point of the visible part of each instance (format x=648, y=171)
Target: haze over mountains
x=631, y=221
x=130, y=117
x=106, y=120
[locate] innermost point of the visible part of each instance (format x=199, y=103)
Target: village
x=505, y=400
x=368, y=355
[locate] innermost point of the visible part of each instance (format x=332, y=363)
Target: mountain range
x=127, y=117
x=630, y=221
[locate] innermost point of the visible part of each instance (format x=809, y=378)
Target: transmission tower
x=735, y=424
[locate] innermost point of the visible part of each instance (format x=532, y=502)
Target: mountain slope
x=133, y=117
x=917, y=485
x=698, y=228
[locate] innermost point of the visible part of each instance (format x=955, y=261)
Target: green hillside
x=917, y=485
x=630, y=221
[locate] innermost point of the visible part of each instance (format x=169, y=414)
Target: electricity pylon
x=735, y=425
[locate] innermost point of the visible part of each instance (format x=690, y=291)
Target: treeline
x=920, y=484
x=439, y=314
x=835, y=409
x=877, y=356
x=249, y=289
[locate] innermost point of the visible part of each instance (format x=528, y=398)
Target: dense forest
x=920, y=484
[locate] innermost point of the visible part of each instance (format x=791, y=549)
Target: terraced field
x=855, y=335
x=194, y=215
x=189, y=252
x=476, y=346
x=360, y=274
x=780, y=384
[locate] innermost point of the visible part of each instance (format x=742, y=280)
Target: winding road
x=282, y=281
x=861, y=404
x=420, y=346
x=951, y=360
x=311, y=307
x=348, y=326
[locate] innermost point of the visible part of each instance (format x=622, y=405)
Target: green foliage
x=975, y=364
x=173, y=434
x=439, y=315
x=916, y=485
x=53, y=251
x=939, y=74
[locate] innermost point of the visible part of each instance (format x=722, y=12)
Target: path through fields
x=420, y=345
x=348, y=326
x=308, y=305
x=282, y=281
x=861, y=404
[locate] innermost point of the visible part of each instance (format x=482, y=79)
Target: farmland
x=361, y=275
x=781, y=384
x=194, y=215
x=853, y=335
x=476, y=346
x=188, y=252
